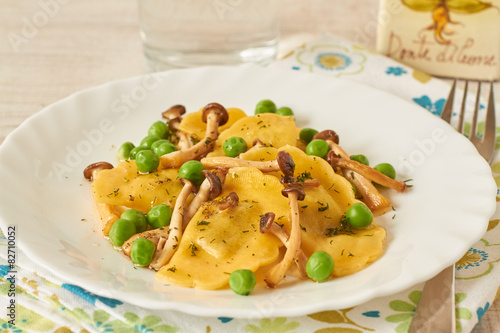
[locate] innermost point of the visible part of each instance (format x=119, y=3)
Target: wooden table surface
x=51, y=49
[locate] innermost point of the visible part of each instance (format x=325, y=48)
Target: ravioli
x=124, y=185
x=216, y=243
x=310, y=167
x=272, y=129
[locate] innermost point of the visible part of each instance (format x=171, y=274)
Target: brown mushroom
x=307, y=183
x=230, y=201
x=258, y=143
x=366, y=171
x=169, y=240
x=369, y=194
x=282, y=162
x=174, y=116
x=214, y=115
x=267, y=224
x=277, y=273
x=210, y=189
x=327, y=135
x=108, y=214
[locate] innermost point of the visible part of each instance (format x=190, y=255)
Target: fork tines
x=484, y=143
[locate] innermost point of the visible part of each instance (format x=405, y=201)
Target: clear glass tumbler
x=188, y=33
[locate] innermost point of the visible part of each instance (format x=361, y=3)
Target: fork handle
x=436, y=308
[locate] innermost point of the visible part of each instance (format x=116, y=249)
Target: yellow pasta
x=226, y=231
x=125, y=186
x=272, y=129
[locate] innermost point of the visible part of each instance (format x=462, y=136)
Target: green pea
x=361, y=159
x=242, y=281
x=121, y=231
x=142, y=251
x=386, y=169
x=306, y=134
x=165, y=148
x=149, y=140
x=156, y=144
x=265, y=106
x=124, y=151
x=136, y=217
x=159, y=129
x=234, y=146
x=319, y=266
x=318, y=148
x=359, y=215
x=284, y=111
x=159, y=216
x=134, y=151
x=147, y=161
x=191, y=170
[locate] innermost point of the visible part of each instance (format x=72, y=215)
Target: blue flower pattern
x=4, y=270
x=88, y=296
x=341, y=61
x=482, y=254
x=425, y=102
x=396, y=71
x=10, y=328
x=481, y=311
x=371, y=314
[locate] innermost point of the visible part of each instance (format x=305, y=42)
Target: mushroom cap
x=88, y=173
x=257, y=142
x=332, y=158
x=287, y=166
x=231, y=200
x=294, y=189
x=327, y=135
x=266, y=221
x=218, y=109
x=185, y=181
x=175, y=111
x=215, y=184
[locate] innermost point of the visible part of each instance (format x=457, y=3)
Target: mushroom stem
x=166, y=246
x=282, y=162
x=267, y=224
x=277, y=273
x=369, y=194
x=308, y=183
x=232, y=162
x=209, y=190
x=366, y=172
x=214, y=115
x=184, y=141
x=108, y=214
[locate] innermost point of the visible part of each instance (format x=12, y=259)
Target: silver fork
x=436, y=308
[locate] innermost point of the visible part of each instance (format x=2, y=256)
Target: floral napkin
x=47, y=304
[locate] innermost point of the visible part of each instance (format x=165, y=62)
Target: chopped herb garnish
x=202, y=223
x=344, y=228
x=322, y=209
x=193, y=249
x=303, y=177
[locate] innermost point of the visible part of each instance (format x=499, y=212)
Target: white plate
x=42, y=190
